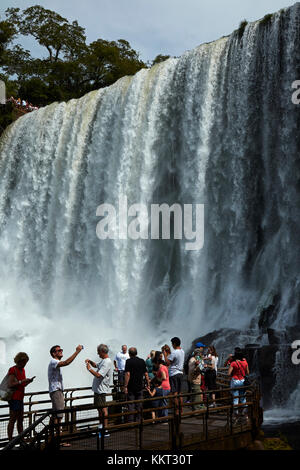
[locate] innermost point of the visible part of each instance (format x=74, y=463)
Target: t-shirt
x=54, y=376
x=239, y=369
x=20, y=389
x=101, y=385
x=121, y=359
x=212, y=360
x=165, y=383
x=137, y=368
x=177, y=360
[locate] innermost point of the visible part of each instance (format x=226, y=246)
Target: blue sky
x=155, y=26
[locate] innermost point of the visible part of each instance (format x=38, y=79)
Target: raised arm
x=92, y=371
x=71, y=358
x=147, y=379
x=92, y=363
x=167, y=361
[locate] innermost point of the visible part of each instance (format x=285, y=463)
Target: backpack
x=6, y=392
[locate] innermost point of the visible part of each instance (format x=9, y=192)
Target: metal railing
x=34, y=405
x=182, y=426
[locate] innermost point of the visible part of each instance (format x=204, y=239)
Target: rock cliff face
x=269, y=355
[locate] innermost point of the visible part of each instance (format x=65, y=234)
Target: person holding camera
x=55, y=380
x=101, y=383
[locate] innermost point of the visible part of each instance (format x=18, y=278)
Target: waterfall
x=217, y=127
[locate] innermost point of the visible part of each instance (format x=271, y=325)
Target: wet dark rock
x=269, y=314
x=276, y=337
x=292, y=333
x=264, y=363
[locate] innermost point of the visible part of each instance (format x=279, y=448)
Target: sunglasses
x=59, y=350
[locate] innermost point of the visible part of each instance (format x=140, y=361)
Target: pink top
x=165, y=383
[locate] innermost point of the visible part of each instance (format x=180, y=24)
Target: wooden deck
x=194, y=434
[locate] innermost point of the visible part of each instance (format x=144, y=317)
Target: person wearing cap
x=200, y=346
x=175, y=362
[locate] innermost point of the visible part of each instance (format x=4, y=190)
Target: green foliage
x=70, y=67
x=242, y=28
x=105, y=62
x=160, y=58
x=276, y=443
x=6, y=116
x=7, y=33
x=50, y=30
x=266, y=19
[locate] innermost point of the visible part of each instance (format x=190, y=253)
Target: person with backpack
x=17, y=381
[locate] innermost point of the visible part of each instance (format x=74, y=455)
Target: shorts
x=100, y=400
x=175, y=383
x=58, y=402
x=16, y=405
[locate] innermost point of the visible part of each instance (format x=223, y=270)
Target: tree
x=107, y=61
x=7, y=33
x=50, y=30
x=70, y=67
x=160, y=58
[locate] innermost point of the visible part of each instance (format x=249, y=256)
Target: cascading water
x=216, y=127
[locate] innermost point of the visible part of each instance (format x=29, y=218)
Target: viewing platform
x=210, y=428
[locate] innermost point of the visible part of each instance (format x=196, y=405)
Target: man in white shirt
x=55, y=378
x=120, y=362
x=101, y=382
x=175, y=362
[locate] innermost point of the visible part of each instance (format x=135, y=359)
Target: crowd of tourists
x=22, y=104
x=158, y=376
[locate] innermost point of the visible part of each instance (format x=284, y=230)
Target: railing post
x=172, y=433
x=231, y=416
x=29, y=413
x=102, y=435
x=180, y=406
x=176, y=421
x=72, y=426
x=206, y=417
x=141, y=427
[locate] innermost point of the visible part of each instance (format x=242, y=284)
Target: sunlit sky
x=154, y=26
